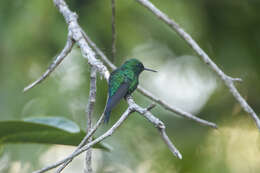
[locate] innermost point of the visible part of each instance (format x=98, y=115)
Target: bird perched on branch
x=122, y=82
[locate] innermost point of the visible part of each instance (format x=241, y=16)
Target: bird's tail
x=107, y=115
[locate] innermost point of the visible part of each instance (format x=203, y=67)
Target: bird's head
x=136, y=66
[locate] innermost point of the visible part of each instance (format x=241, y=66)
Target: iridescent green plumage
x=122, y=82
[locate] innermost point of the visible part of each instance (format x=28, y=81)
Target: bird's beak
x=147, y=69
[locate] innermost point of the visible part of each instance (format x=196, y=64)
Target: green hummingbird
x=122, y=82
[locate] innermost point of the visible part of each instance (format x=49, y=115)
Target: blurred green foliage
x=42, y=130
x=33, y=32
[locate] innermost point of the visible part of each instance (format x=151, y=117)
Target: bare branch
x=113, y=5
x=150, y=95
x=158, y=124
x=108, y=133
x=132, y=108
x=66, y=50
x=90, y=130
x=82, y=143
x=78, y=35
x=99, y=52
x=228, y=81
x=89, y=112
x=175, y=110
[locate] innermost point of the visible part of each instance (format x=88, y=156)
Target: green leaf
x=58, y=122
x=44, y=130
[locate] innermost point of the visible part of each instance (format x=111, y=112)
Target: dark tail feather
x=107, y=115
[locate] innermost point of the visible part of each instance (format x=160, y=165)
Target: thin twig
x=158, y=124
x=174, y=109
x=82, y=143
x=229, y=81
x=150, y=95
x=66, y=50
x=113, y=5
x=108, y=133
x=89, y=112
x=99, y=52
x=90, y=130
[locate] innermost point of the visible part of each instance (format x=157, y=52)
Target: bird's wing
x=118, y=87
x=115, y=80
x=118, y=94
x=114, y=99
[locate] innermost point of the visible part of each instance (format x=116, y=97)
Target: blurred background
x=33, y=32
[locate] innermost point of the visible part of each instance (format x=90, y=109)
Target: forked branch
x=88, y=145
x=158, y=124
x=132, y=108
x=82, y=143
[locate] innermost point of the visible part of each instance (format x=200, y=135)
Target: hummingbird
x=122, y=82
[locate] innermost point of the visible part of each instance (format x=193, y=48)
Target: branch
x=77, y=34
x=150, y=95
x=228, y=81
x=108, y=133
x=113, y=5
x=66, y=50
x=175, y=110
x=132, y=108
x=82, y=143
x=90, y=130
x=89, y=112
x=99, y=52
x=158, y=124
